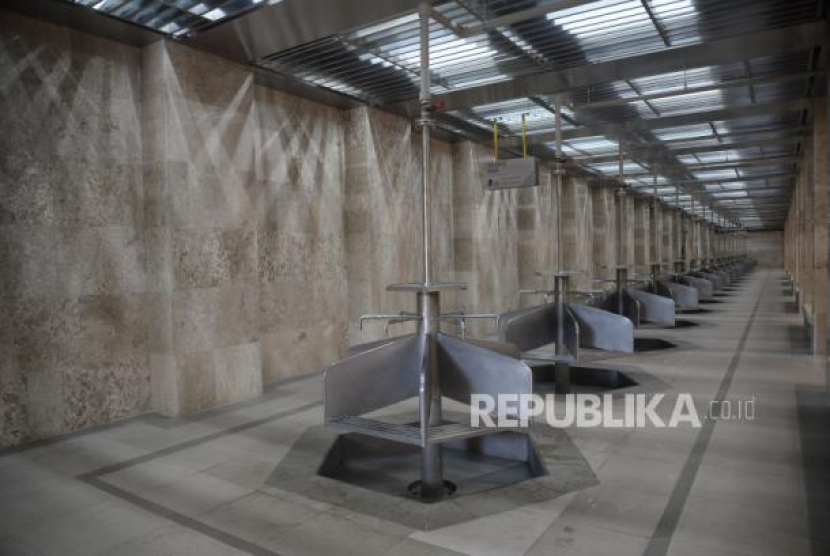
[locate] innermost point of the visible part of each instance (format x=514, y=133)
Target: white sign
x=513, y=172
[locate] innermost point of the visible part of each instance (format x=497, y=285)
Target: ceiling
x=702, y=99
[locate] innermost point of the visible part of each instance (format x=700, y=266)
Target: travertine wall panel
x=75, y=257
x=577, y=232
x=299, y=196
x=252, y=182
x=656, y=233
x=383, y=217
x=766, y=248
x=486, y=235
x=642, y=234
x=209, y=303
x=605, y=234
x=669, y=231
x=537, y=232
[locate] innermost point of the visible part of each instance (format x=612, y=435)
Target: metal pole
x=432, y=464
x=655, y=235
x=432, y=467
x=621, y=258
x=693, y=230
x=680, y=232
x=561, y=370
x=557, y=108
x=622, y=282
x=426, y=122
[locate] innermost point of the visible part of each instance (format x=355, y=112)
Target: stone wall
x=486, y=236
x=605, y=234
x=767, y=248
x=538, y=245
x=670, y=237
x=383, y=218
x=250, y=185
x=577, y=232
x=77, y=283
x=642, y=235
x=172, y=233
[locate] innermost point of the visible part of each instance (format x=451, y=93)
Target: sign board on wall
x=512, y=172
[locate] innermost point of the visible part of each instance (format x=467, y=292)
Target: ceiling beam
x=734, y=165
x=744, y=178
x=285, y=25
x=693, y=118
x=738, y=145
x=598, y=159
x=741, y=47
x=517, y=17
x=758, y=161
x=677, y=93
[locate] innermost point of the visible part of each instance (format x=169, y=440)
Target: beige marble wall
x=669, y=231
x=75, y=285
x=537, y=232
x=299, y=194
x=605, y=233
x=249, y=182
x=697, y=241
x=657, y=223
x=172, y=234
x=767, y=248
x=383, y=217
x=577, y=232
x=486, y=235
x=642, y=233
x=627, y=204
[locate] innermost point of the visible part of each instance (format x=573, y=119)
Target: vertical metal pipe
x=432, y=468
x=693, y=230
x=680, y=241
x=655, y=233
x=557, y=108
x=560, y=284
x=621, y=206
x=561, y=370
x=426, y=122
x=432, y=465
x=622, y=282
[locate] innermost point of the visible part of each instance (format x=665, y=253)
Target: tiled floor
x=155, y=486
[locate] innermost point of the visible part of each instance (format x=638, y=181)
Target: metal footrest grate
x=411, y=434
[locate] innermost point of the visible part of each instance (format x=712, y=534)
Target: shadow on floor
x=799, y=340
x=697, y=311
x=790, y=306
x=813, y=408
x=642, y=345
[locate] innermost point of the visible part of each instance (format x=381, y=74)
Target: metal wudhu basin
x=428, y=366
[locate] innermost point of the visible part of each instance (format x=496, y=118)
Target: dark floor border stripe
x=664, y=532
x=106, y=470
x=180, y=519
x=93, y=478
